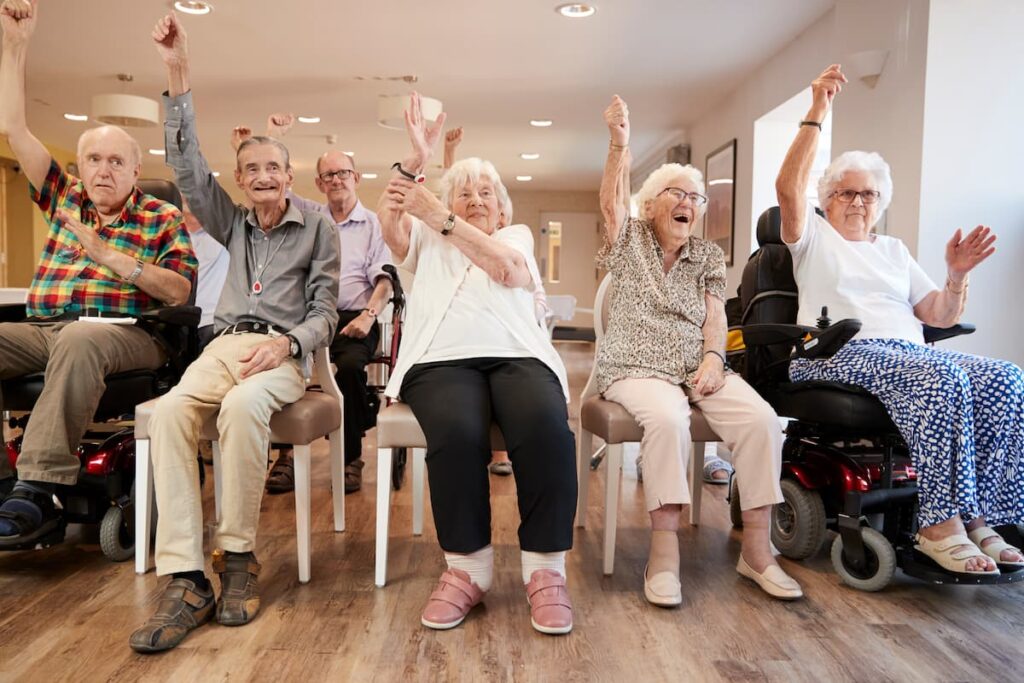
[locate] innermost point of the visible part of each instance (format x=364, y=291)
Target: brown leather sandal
x=239, y=600
x=182, y=609
x=282, y=475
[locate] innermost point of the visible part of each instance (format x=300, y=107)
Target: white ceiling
x=495, y=65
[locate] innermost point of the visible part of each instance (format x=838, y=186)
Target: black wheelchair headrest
x=161, y=189
x=769, y=226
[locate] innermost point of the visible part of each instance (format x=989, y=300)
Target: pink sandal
x=550, y=607
x=451, y=601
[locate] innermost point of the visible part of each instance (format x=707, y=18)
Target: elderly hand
x=95, y=248
x=413, y=198
x=710, y=376
x=617, y=118
x=825, y=87
x=278, y=125
x=453, y=138
x=240, y=134
x=18, y=20
x=171, y=40
x=265, y=356
x=359, y=326
x=962, y=255
x=422, y=135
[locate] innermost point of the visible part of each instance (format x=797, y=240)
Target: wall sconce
x=867, y=65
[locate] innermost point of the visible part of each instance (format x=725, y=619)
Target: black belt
x=254, y=326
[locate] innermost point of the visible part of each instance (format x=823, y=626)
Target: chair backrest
x=601, y=306
x=161, y=189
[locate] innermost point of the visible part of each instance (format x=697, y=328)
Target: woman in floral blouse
x=665, y=348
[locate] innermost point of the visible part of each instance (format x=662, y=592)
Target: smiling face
x=672, y=213
x=340, y=188
x=263, y=174
x=109, y=164
x=855, y=219
x=477, y=204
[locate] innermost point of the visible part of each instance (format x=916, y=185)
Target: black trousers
x=351, y=356
x=454, y=402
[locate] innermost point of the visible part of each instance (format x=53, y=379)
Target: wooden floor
x=67, y=612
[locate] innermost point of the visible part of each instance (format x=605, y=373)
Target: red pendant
x=257, y=287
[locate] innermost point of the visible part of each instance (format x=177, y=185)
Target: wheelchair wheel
x=398, y=460
x=735, y=512
x=798, y=522
x=880, y=567
x=116, y=541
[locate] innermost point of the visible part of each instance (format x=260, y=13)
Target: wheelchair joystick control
x=824, y=321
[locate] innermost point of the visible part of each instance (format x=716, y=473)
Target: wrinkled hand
x=617, y=118
x=95, y=248
x=240, y=134
x=710, y=376
x=453, y=138
x=278, y=125
x=413, y=198
x=359, y=326
x=422, y=135
x=171, y=40
x=265, y=356
x=825, y=87
x=962, y=255
x=18, y=20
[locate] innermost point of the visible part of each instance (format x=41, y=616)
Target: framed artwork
x=720, y=180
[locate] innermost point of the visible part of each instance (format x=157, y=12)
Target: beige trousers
x=747, y=424
x=212, y=383
x=76, y=357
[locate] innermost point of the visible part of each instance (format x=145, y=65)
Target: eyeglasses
x=679, y=195
x=866, y=196
x=342, y=174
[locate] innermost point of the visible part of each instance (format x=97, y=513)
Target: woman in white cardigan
x=473, y=353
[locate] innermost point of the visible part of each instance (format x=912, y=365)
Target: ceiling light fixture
x=157, y=152
x=541, y=123
x=309, y=119
x=216, y=174
x=391, y=110
x=529, y=156
x=122, y=109
x=349, y=154
x=370, y=176
x=76, y=117
x=524, y=178
x=193, y=7
x=576, y=10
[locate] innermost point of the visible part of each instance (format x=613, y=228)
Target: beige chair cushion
x=614, y=424
x=397, y=428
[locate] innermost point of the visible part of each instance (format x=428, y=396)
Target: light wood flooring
x=66, y=613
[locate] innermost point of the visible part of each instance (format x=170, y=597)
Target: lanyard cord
x=270, y=257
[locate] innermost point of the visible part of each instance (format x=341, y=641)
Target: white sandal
x=995, y=548
x=955, y=561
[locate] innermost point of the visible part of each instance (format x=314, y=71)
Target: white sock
x=479, y=565
x=534, y=561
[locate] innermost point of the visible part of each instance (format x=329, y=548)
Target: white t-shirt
x=213, y=270
x=876, y=281
x=457, y=311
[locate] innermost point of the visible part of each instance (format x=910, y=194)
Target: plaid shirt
x=68, y=281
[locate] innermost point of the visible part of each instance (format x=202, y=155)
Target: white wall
x=973, y=147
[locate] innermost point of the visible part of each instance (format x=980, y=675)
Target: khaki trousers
x=76, y=357
x=210, y=384
x=747, y=424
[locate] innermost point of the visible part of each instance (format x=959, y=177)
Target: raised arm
x=943, y=308
x=791, y=185
x=452, y=140
x=18, y=21
x=615, y=181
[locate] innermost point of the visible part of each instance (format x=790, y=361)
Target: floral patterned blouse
x=655, y=318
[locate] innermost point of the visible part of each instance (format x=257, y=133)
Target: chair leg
x=304, y=536
x=144, y=500
x=383, y=515
x=338, y=478
x=217, y=479
x=419, y=466
x=696, y=481
x=611, y=504
x=584, y=448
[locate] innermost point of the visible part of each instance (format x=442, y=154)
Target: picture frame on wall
x=720, y=184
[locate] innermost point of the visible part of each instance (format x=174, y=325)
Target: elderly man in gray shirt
x=278, y=305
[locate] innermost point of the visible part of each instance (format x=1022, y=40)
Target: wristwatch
x=372, y=311
x=448, y=225
x=294, y=349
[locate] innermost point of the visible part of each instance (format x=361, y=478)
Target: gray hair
x=264, y=140
x=136, y=149
x=857, y=160
x=659, y=180
x=471, y=170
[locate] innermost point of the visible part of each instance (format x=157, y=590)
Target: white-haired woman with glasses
x=665, y=348
x=962, y=416
x=472, y=353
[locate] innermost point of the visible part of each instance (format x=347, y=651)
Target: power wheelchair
x=845, y=466
x=105, y=490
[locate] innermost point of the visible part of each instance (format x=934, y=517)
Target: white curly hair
x=857, y=160
x=471, y=170
x=662, y=178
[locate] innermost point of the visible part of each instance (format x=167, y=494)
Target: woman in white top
x=962, y=416
x=473, y=353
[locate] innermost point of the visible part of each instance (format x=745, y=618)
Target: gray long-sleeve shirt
x=297, y=262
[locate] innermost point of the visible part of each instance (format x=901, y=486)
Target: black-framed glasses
x=680, y=194
x=342, y=174
x=866, y=196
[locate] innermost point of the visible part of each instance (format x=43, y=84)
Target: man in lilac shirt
x=364, y=290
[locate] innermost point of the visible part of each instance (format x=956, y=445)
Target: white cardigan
x=439, y=269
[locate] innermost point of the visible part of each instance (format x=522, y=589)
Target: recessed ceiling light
x=524, y=178
x=193, y=6
x=720, y=181
x=309, y=119
x=541, y=123
x=370, y=176
x=576, y=10
x=529, y=156
x=349, y=154
x=216, y=174
x=157, y=152
x=76, y=117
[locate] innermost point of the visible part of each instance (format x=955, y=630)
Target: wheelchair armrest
x=770, y=334
x=824, y=343
x=12, y=313
x=936, y=334
x=183, y=316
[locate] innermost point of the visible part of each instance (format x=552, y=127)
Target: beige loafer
x=773, y=580
x=663, y=589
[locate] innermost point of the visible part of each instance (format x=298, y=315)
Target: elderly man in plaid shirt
x=111, y=250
